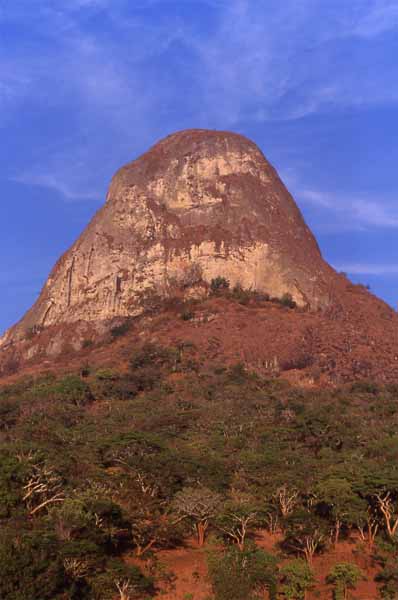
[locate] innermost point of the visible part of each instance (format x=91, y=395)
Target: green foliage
x=297, y=578
x=120, y=330
x=235, y=575
x=12, y=477
x=105, y=585
x=287, y=300
x=388, y=580
x=9, y=412
x=305, y=533
x=30, y=568
x=219, y=284
x=344, y=577
x=223, y=435
x=199, y=504
x=74, y=390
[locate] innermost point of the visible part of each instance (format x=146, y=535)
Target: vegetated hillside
x=109, y=476
x=356, y=338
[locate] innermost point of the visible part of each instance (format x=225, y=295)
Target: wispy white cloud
x=358, y=213
x=59, y=185
x=367, y=269
x=382, y=16
x=118, y=85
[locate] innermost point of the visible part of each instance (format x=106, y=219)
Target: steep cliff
x=198, y=205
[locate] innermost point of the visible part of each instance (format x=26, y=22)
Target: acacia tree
x=368, y=524
x=44, y=487
x=305, y=534
x=236, y=521
x=389, y=510
x=201, y=505
x=287, y=500
x=147, y=510
x=336, y=497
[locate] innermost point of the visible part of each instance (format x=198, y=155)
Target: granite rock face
x=198, y=205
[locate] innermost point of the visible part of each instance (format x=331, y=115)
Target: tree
x=344, y=577
x=368, y=526
x=44, y=487
x=236, y=520
x=389, y=510
x=336, y=497
x=247, y=574
x=305, y=534
x=200, y=505
x=297, y=578
x=287, y=500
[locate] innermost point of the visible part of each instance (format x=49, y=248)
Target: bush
x=219, y=284
x=30, y=568
x=344, y=577
x=235, y=575
x=72, y=389
x=150, y=355
x=187, y=315
x=117, y=572
x=241, y=295
x=287, y=300
x=87, y=343
x=120, y=330
x=388, y=580
x=9, y=412
x=297, y=578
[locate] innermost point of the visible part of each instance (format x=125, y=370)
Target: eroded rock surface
x=198, y=205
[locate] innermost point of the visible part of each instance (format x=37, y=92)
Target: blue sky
x=87, y=85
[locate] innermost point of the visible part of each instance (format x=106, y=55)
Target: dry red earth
x=355, y=339
x=189, y=572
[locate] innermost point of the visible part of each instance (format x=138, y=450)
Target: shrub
x=388, y=580
x=9, y=412
x=150, y=355
x=241, y=295
x=235, y=575
x=120, y=330
x=297, y=578
x=219, y=284
x=117, y=572
x=287, y=300
x=30, y=568
x=87, y=343
x=72, y=389
x=187, y=315
x=344, y=576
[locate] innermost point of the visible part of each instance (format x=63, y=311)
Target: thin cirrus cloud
x=246, y=63
x=367, y=269
x=360, y=213
x=382, y=17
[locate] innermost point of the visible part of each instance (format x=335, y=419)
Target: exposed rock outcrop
x=198, y=205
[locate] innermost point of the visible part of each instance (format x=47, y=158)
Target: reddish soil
x=188, y=565
x=357, y=339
